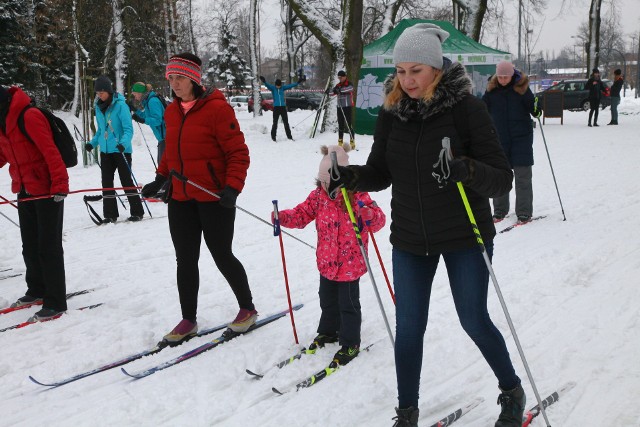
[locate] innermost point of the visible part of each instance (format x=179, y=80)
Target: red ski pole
x=276, y=232
x=384, y=270
x=28, y=199
x=8, y=201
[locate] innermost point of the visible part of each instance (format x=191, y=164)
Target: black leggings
x=188, y=222
x=594, y=105
x=109, y=164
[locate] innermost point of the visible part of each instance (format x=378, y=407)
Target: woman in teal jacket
x=150, y=112
x=114, y=139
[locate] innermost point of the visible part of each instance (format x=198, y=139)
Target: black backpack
x=61, y=135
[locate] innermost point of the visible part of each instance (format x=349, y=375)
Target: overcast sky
x=556, y=30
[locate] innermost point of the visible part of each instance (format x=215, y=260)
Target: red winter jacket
x=206, y=146
x=38, y=168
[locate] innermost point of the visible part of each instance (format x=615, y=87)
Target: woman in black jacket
x=430, y=99
x=595, y=87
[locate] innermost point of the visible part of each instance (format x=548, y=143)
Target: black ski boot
x=406, y=417
x=321, y=340
x=512, y=402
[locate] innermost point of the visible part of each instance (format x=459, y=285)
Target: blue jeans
x=469, y=282
x=615, y=101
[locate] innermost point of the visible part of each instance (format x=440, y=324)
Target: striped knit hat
x=184, y=67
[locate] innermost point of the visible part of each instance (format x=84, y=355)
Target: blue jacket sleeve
x=154, y=112
x=124, y=115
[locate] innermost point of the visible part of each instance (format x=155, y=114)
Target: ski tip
x=124, y=371
x=38, y=382
x=276, y=391
x=253, y=374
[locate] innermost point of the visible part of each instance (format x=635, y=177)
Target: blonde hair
x=396, y=93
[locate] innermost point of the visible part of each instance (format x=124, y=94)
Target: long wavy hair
x=396, y=93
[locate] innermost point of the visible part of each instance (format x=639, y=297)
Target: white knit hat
x=325, y=163
x=421, y=43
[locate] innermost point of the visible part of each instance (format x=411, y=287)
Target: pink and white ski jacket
x=338, y=254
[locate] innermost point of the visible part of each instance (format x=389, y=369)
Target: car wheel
x=586, y=105
x=310, y=107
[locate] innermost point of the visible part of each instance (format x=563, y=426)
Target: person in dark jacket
x=36, y=170
x=344, y=93
x=205, y=145
x=280, y=105
x=511, y=105
x=114, y=139
x=595, y=87
x=149, y=109
x=428, y=101
x=618, y=81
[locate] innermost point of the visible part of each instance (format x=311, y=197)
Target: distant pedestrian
x=338, y=256
x=149, y=109
x=36, y=169
x=344, y=92
x=114, y=139
x=280, y=104
x=595, y=87
x=511, y=105
x=618, y=82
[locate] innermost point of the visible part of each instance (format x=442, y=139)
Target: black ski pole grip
x=178, y=176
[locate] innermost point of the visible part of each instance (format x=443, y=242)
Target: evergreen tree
x=227, y=65
x=14, y=53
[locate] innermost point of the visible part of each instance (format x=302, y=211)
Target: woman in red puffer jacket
x=36, y=169
x=204, y=144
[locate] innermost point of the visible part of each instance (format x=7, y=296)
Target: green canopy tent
x=377, y=64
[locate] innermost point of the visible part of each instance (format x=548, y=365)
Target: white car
x=239, y=102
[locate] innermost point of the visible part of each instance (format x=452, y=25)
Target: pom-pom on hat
x=184, y=67
x=505, y=69
x=139, y=87
x=103, y=84
x=325, y=163
x=421, y=43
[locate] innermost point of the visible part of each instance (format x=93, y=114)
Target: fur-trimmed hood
x=454, y=85
x=519, y=81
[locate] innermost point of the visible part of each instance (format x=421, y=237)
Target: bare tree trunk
x=167, y=31
x=192, y=39
x=120, y=56
x=253, y=60
x=593, y=43
x=172, y=22
x=107, y=47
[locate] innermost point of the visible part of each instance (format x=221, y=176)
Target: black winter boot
x=512, y=402
x=407, y=417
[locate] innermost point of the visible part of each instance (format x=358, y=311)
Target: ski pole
x=552, y=173
x=86, y=190
x=276, y=232
x=443, y=162
x=335, y=176
x=126, y=162
x=148, y=149
x=294, y=126
x=217, y=196
x=8, y=201
x=9, y=219
x=375, y=245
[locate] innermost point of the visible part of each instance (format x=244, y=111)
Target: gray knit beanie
x=421, y=43
x=103, y=84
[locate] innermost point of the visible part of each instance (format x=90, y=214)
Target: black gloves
x=88, y=147
x=262, y=79
x=336, y=90
x=461, y=169
x=137, y=118
x=302, y=79
x=152, y=189
x=328, y=91
x=348, y=179
x=120, y=148
x=228, y=197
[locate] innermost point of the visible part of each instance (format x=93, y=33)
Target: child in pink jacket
x=339, y=259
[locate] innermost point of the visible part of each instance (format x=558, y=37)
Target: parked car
x=266, y=101
x=239, y=102
x=303, y=100
x=576, y=97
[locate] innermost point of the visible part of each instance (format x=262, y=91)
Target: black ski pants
x=277, y=113
x=341, y=314
x=188, y=222
x=109, y=163
x=41, y=232
x=344, y=121
x=594, y=105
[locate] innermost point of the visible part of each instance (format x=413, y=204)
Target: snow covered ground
x=571, y=288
